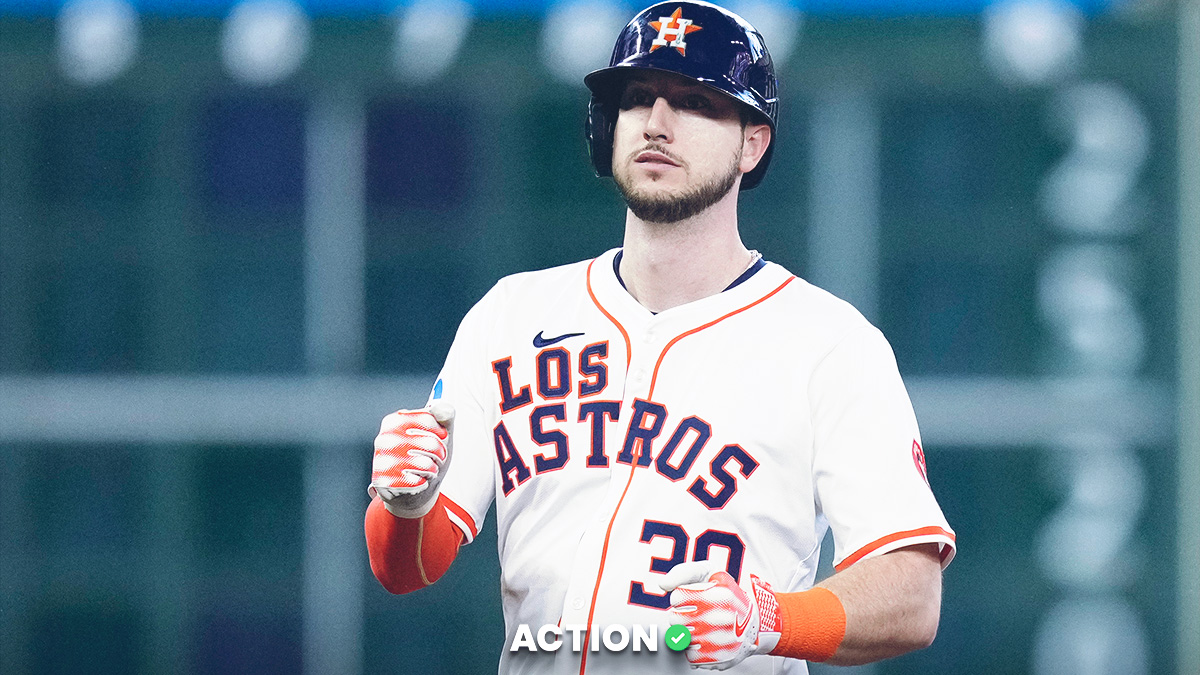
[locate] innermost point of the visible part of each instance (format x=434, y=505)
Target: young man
x=668, y=430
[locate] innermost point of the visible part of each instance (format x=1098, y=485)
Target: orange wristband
x=813, y=624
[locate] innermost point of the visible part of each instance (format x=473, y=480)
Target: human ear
x=755, y=141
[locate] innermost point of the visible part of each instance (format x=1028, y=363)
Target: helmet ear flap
x=599, y=128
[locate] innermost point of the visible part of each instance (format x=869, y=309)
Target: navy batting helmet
x=698, y=40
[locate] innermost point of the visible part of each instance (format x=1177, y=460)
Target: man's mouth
x=651, y=157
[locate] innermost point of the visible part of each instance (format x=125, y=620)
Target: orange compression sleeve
x=410, y=553
x=813, y=624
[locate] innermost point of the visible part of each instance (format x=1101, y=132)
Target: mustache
x=655, y=147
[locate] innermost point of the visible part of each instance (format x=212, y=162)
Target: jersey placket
x=599, y=541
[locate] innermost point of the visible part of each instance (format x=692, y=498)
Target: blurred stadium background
x=233, y=235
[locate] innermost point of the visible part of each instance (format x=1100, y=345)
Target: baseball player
x=669, y=430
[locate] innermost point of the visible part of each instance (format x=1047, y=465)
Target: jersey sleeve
x=469, y=484
x=869, y=473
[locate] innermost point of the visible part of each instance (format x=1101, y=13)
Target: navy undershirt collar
x=758, y=264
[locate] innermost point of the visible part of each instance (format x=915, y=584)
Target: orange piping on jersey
x=628, y=348
x=633, y=469
x=463, y=515
x=883, y=541
x=677, y=338
x=600, y=572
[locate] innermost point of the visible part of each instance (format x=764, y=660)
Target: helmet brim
x=607, y=84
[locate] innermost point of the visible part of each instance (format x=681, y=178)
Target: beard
x=672, y=208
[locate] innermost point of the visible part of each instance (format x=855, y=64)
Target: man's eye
x=696, y=103
x=636, y=99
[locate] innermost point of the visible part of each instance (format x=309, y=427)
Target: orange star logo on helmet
x=671, y=31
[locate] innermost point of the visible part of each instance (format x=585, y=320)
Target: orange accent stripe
x=608, y=533
x=677, y=338
x=600, y=572
x=462, y=514
x=633, y=469
x=884, y=541
x=628, y=348
x=420, y=564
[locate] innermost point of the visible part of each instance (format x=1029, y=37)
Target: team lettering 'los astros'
x=553, y=422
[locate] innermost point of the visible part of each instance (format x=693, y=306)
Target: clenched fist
x=727, y=622
x=412, y=454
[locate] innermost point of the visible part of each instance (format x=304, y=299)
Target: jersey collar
x=610, y=292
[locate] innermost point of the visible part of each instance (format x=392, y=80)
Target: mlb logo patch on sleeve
x=919, y=460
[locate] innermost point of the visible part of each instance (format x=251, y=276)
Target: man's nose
x=659, y=123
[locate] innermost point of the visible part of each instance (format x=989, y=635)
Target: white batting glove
x=412, y=453
x=727, y=622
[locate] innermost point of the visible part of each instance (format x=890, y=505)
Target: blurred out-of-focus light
x=578, y=37
x=429, y=35
x=1085, y=545
x=1084, y=292
x=778, y=23
x=1110, y=142
x=97, y=39
x=1097, y=635
x=1032, y=41
x=264, y=41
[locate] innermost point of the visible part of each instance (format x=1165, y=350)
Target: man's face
x=678, y=146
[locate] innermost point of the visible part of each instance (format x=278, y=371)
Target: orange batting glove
x=412, y=454
x=728, y=623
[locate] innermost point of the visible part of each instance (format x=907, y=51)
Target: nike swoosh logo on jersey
x=539, y=341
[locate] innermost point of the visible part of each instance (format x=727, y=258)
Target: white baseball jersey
x=618, y=443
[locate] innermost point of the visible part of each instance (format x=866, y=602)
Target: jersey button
x=577, y=603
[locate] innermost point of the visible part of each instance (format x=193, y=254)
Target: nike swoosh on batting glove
x=412, y=454
x=728, y=623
